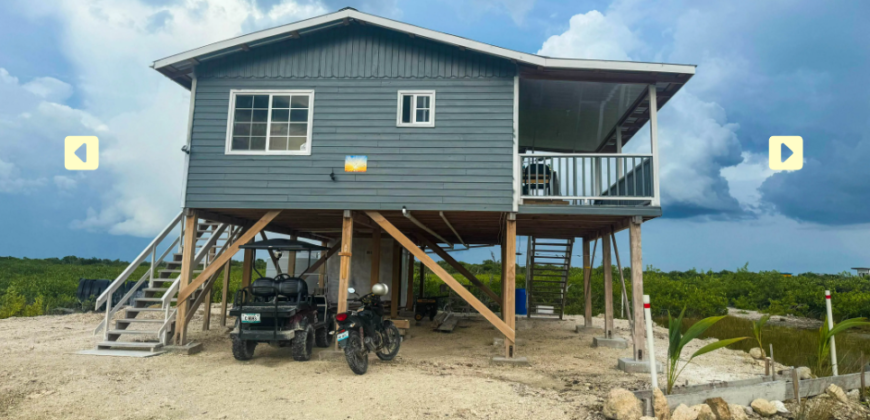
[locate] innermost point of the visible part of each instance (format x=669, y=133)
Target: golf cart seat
x=292, y=287
x=263, y=287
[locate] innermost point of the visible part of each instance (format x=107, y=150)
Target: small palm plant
x=756, y=331
x=678, y=340
x=825, y=334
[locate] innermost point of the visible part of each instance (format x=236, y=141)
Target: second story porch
x=573, y=151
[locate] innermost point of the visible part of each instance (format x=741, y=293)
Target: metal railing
x=588, y=178
x=151, y=249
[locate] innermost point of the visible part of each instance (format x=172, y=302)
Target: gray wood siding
x=463, y=163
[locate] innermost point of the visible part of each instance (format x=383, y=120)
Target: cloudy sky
x=80, y=67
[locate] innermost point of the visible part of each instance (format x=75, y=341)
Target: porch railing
x=587, y=178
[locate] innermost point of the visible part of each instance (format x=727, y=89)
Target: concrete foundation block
x=188, y=349
x=629, y=365
x=510, y=361
x=613, y=343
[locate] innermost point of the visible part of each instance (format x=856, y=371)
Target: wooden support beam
x=637, y=289
x=206, y=316
x=201, y=297
x=587, y=285
x=409, y=293
x=608, y=286
x=376, y=256
x=345, y=254
x=187, y=255
x=291, y=259
x=225, y=293
x=397, y=279
x=443, y=275
x=321, y=275
x=508, y=309
x=185, y=292
x=322, y=260
x=460, y=268
x=247, y=268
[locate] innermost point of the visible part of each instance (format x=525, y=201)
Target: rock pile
x=621, y=404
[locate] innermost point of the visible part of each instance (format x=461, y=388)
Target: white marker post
x=650, y=343
x=831, y=327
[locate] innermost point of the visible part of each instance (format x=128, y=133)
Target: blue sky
x=764, y=68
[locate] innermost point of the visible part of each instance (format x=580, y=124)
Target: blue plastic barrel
x=521, y=302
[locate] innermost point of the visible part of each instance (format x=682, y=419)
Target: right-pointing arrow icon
x=786, y=153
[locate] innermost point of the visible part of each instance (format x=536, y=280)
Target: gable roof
x=179, y=67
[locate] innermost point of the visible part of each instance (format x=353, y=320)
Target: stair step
x=156, y=289
x=131, y=344
x=549, y=244
x=138, y=332
x=139, y=321
x=152, y=300
x=132, y=309
x=547, y=281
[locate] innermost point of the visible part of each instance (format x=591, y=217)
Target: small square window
x=416, y=109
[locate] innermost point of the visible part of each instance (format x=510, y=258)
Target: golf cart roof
x=284, y=245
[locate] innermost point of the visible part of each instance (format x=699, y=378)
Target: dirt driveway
x=435, y=376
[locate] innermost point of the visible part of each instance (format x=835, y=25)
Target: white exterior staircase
x=144, y=319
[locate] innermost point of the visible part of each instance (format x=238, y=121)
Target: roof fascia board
x=536, y=60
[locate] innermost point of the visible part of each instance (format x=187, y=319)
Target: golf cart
x=280, y=311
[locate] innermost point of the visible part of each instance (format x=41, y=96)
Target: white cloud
x=593, y=35
x=64, y=182
x=745, y=179
x=12, y=182
x=49, y=88
x=144, y=114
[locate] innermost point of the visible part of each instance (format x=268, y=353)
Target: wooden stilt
x=376, y=256
x=291, y=260
x=508, y=307
x=345, y=254
x=397, y=280
x=608, y=285
x=409, y=294
x=225, y=293
x=206, y=315
x=247, y=268
x=443, y=275
x=637, y=288
x=187, y=256
x=587, y=285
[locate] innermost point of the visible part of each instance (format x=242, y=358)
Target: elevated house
x=386, y=142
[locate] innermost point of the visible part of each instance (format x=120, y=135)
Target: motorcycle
x=365, y=331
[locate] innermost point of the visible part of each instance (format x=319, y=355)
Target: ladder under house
x=548, y=264
x=144, y=318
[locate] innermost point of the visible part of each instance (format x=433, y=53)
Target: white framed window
x=270, y=122
x=416, y=108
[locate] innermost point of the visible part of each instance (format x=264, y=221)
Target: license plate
x=342, y=336
x=250, y=318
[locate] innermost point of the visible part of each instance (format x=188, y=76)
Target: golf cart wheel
x=322, y=336
x=355, y=353
x=243, y=349
x=418, y=316
x=302, y=343
x=392, y=340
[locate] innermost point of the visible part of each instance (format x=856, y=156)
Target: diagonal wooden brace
x=322, y=259
x=443, y=275
x=219, y=262
x=460, y=268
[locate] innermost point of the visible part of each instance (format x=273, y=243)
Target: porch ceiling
x=475, y=227
x=575, y=111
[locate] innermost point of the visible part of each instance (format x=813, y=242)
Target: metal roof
x=179, y=67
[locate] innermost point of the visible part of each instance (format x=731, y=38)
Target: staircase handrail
x=103, y=298
x=132, y=291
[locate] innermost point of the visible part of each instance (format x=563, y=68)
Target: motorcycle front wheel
x=356, y=354
x=392, y=341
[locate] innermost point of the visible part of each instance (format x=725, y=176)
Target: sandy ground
x=436, y=375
